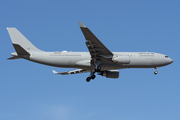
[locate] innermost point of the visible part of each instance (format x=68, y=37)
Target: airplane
x=98, y=60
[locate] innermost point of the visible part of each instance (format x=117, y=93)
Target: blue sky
x=31, y=91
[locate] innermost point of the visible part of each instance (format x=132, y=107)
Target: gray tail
x=21, y=44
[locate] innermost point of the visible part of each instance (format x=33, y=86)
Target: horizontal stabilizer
x=14, y=57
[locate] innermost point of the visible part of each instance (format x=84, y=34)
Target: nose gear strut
x=155, y=72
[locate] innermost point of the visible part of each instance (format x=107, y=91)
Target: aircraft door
x=46, y=55
x=158, y=56
x=83, y=56
x=135, y=56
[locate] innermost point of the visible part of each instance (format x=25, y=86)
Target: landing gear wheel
x=88, y=79
x=98, y=68
x=93, y=77
x=155, y=72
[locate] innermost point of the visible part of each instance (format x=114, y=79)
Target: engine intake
x=110, y=74
x=121, y=59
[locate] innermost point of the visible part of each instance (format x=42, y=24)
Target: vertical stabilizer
x=20, y=42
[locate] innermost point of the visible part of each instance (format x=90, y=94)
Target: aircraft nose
x=170, y=61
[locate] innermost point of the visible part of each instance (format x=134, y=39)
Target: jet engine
x=121, y=59
x=110, y=73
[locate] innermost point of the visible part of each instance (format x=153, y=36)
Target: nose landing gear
x=155, y=72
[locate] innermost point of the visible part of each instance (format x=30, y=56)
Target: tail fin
x=21, y=44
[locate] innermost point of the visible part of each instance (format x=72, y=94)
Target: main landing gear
x=98, y=69
x=155, y=72
x=92, y=76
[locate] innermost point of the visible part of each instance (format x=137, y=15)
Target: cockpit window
x=166, y=56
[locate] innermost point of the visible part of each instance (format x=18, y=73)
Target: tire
x=93, y=77
x=99, y=68
x=88, y=79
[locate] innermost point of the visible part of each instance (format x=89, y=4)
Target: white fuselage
x=83, y=60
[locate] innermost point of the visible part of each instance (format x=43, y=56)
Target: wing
x=72, y=72
x=97, y=50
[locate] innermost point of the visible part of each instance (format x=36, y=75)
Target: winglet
x=81, y=25
x=55, y=72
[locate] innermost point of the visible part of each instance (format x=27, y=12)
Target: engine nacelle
x=121, y=59
x=110, y=74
